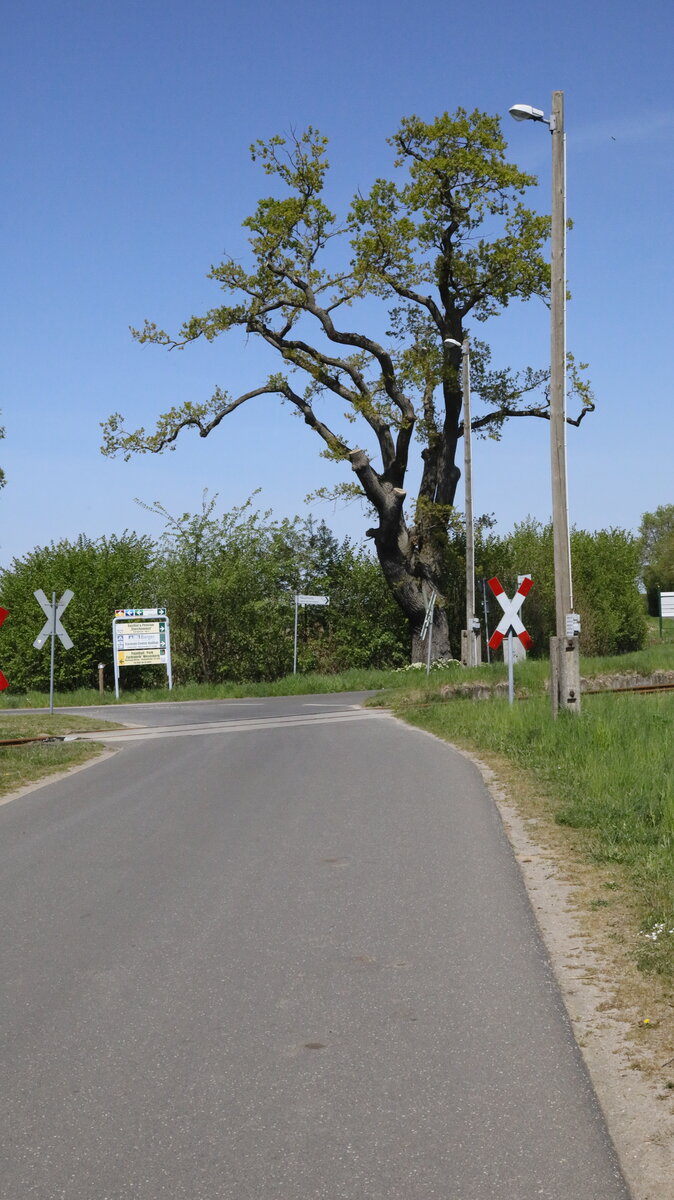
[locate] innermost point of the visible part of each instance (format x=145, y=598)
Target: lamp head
x=524, y=112
x=452, y=342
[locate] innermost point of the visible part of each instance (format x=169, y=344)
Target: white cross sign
x=510, y=619
x=53, y=622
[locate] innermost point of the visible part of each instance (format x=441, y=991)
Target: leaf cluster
x=445, y=241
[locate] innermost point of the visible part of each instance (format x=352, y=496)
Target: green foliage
x=229, y=580
x=105, y=574
x=229, y=584
x=455, y=224
x=447, y=241
x=657, y=553
x=605, y=574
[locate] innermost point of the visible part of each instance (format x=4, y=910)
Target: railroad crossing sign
x=53, y=613
x=4, y=613
x=510, y=619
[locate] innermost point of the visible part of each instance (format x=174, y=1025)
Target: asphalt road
x=281, y=951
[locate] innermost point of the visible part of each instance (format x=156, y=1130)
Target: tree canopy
x=657, y=550
x=445, y=245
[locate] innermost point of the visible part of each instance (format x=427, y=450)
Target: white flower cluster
x=654, y=933
x=438, y=664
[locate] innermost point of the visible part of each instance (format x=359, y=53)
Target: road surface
x=281, y=950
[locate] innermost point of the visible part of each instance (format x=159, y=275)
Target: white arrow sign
x=312, y=599
x=53, y=622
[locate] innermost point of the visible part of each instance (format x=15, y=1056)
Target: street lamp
x=564, y=648
x=472, y=655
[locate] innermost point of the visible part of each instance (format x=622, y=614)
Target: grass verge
x=290, y=685
x=607, y=774
x=21, y=765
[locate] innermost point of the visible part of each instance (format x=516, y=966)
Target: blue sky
x=127, y=174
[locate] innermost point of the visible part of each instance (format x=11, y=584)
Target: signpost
x=141, y=637
x=51, y=628
x=4, y=613
x=510, y=623
x=427, y=628
x=303, y=600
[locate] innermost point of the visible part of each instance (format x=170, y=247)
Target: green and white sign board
x=141, y=637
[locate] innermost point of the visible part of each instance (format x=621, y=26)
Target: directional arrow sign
x=53, y=622
x=4, y=612
x=510, y=619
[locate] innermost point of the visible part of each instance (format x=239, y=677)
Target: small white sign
x=572, y=624
x=667, y=604
x=140, y=612
x=312, y=599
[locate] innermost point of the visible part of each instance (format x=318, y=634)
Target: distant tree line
x=657, y=543
x=229, y=580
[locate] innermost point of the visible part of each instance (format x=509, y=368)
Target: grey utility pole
x=564, y=646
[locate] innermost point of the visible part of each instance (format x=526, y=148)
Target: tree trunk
x=412, y=559
x=411, y=578
x=440, y=644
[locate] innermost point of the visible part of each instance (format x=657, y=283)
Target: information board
x=139, y=642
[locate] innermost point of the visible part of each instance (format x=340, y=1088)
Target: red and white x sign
x=510, y=619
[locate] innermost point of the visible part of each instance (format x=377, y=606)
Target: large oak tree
x=445, y=244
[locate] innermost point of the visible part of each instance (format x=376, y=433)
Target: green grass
x=290, y=685
x=20, y=765
x=608, y=774
x=530, y=677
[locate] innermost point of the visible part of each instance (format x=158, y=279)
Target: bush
x=606, y=568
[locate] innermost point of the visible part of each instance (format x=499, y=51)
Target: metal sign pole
x=115, y=659
x=485, y=610
x=169, y=668
x=51, y=663
x=511, y=673
x=427, y=629
x=295, y=639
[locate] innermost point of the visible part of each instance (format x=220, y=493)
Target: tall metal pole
x=51, y=663
x=564, y=648
x=471, y=639
x=560, y=513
